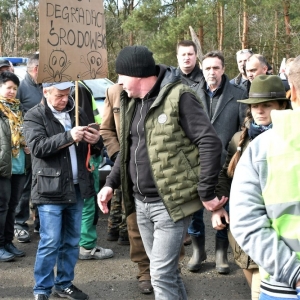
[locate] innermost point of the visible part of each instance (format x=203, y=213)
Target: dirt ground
x=114, y=279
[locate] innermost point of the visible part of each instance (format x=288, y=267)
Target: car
x=20, y=71
x=98, y=87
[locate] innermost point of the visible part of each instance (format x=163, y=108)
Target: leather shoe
x=5, y=256
x=123, y=240
x=145, y=286
x=10, y=247
x=187, y=240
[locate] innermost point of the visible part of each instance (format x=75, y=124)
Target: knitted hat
x=135, y=61
x=265, y=88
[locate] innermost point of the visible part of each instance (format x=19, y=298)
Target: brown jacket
x=110, y=126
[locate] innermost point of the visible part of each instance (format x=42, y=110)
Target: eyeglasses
x=244, y=51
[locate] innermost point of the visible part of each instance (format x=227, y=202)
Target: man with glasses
x=241, y=58
x=30, y=93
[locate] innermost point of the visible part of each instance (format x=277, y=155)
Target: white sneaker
x=96, y=253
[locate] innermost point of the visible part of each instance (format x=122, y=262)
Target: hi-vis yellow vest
x=96, y=113
x=282, y=191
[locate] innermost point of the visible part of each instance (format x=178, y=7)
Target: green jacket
x=5, y=148
x=174, y=159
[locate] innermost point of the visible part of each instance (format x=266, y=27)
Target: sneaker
x=10, y=247
x=41, y=297
x=145, y=286
x=123, y=241
x=72, y=292
x=22, y=235
x=96, y=253
x=5, y=255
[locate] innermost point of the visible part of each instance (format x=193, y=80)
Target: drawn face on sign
x=93, y=63
x=58, y=63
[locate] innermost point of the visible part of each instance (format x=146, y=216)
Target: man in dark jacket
x=29, y=93
x=241, y=58
x=60, y=182
x=219, y=99
x=189, y=70
x=165, y=137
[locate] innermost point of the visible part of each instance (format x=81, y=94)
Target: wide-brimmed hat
x=265, y=88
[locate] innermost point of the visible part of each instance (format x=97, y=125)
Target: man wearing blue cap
x=60, y=182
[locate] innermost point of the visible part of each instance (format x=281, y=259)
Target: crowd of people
x=182, y=139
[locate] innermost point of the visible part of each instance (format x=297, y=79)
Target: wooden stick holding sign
x=76, y=104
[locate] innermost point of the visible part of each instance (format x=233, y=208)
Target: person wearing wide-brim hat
x=266, y=94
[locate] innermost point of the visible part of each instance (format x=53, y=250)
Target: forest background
x=269, y=27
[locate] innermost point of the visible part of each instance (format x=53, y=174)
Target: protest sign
x=72, y=40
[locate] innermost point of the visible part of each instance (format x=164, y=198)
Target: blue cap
x=59, y=85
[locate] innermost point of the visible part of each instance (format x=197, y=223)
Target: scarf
x=255, y=130
x=11, y=109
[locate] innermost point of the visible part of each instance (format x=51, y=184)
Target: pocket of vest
x=188, y=168
x=49, y=182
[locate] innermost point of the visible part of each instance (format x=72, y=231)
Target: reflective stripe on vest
x=96, y=112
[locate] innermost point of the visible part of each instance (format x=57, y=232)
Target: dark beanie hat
x=135, y=61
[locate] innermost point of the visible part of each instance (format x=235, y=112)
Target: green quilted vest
x=174, y=159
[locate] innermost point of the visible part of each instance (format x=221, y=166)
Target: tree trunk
x=131, y=39
x=1, y=42
x=221, y=25
x=201, y=34
x=275, y=43
x=286, y=13
x=245, y=26
x=16, y=35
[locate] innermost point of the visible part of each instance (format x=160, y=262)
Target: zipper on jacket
x=135, y=151
x=210, y=108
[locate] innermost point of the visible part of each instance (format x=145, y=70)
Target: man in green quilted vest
x=165, y=136
x=265, y=199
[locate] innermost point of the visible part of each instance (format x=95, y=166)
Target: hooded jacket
x=264, y=204
x=153, y=125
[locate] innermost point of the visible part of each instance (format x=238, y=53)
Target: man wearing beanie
x=165, y=136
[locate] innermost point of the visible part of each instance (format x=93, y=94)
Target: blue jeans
x=264, y=296
x=197, y=226
x=60, y=235
x=162, y=239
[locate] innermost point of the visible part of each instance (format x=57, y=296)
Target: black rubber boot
x=222, y=265
x=199, y=253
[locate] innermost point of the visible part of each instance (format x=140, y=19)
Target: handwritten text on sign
x=72, y=40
